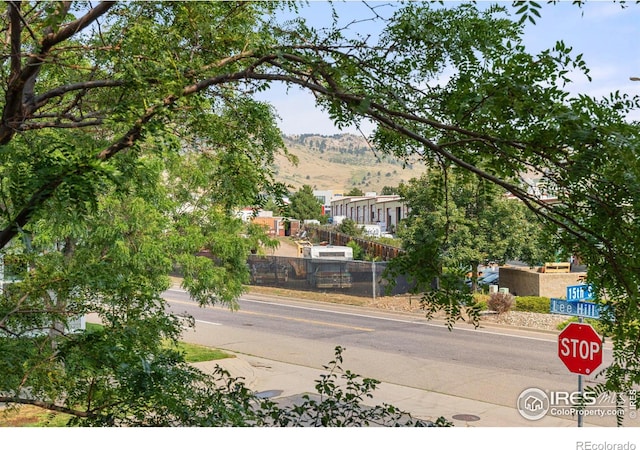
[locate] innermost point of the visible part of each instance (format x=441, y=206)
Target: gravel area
x=527, y=319
x=511, y=318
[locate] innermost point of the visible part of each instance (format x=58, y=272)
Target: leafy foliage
x=532, y=304
x=455, y=223
x=129, y=135
x=350, y=227
x=304, y=205
x=456, y=87
x=341, y=402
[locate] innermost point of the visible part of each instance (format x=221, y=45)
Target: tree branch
x=42, y=99
x=15, y=111
x=15, y=21
x=45, y=405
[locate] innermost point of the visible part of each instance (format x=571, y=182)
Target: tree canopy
x=457, y=220
x=129, y=134
x=304, y=205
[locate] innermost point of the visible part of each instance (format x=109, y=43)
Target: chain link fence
x=358, y=278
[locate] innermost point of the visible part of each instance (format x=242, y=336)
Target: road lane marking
x=276, y=316
x=407, y=321
x=207, y=322
x=390, y=319
x=313, y=322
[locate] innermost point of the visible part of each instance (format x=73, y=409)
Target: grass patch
x=193, y=353
x=330, y=297
x=32, y=416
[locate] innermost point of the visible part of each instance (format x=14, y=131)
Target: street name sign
x=580, y=293
x=579, y=309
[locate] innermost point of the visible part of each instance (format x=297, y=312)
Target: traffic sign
x=579, y=309
x=580, y=293
x=580, y=348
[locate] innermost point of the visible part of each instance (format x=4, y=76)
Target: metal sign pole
x=579, y=303
x=580, y=416
x=373, y=279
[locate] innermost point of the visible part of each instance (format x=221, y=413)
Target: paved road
x=489, y=365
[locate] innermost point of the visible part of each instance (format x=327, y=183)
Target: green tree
x=389, y=190
x=350, y=227
x=98, y=101
x=277, y=206
x=464, y=221
x=128, y=143
x=304, y=205
x=354, y=192
x=499, y=113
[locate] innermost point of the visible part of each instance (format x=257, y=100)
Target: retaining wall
x=525, y=281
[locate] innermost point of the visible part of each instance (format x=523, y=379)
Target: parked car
x=486, y=279
x=489, y=278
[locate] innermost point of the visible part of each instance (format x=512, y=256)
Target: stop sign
x=580, y=348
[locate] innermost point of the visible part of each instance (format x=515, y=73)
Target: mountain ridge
x=340, y=162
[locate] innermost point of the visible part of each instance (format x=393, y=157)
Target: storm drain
x=466, y=417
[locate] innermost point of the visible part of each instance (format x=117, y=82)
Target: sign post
x=580, y=349
x=579, y=346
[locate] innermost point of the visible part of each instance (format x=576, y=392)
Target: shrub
x=596, y=324
x=481, y=300
x=500, y=302
x=533, y=304
x=358, y=252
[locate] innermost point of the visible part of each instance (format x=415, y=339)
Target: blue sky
x=606, y=34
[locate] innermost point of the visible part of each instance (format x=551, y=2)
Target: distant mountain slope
x=340, y=162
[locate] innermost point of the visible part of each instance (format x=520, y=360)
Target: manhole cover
x=466, y=417
x=268, y=394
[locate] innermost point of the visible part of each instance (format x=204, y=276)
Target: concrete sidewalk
x=284, y=380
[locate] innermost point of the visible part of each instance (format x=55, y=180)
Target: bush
x=596, y=324
x=533, y=304
x=358, y=252
x=500, y=302
x=350, y=227
x=481, y=300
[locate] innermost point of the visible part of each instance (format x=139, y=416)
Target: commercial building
x=371, y=209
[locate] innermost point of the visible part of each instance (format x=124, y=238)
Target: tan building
x=371, y=209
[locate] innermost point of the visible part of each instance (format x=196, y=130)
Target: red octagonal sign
x=580, y=348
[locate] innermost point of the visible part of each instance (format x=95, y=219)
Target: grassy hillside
x=340, y=162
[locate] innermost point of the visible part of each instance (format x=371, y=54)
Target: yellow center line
x=275, y=316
